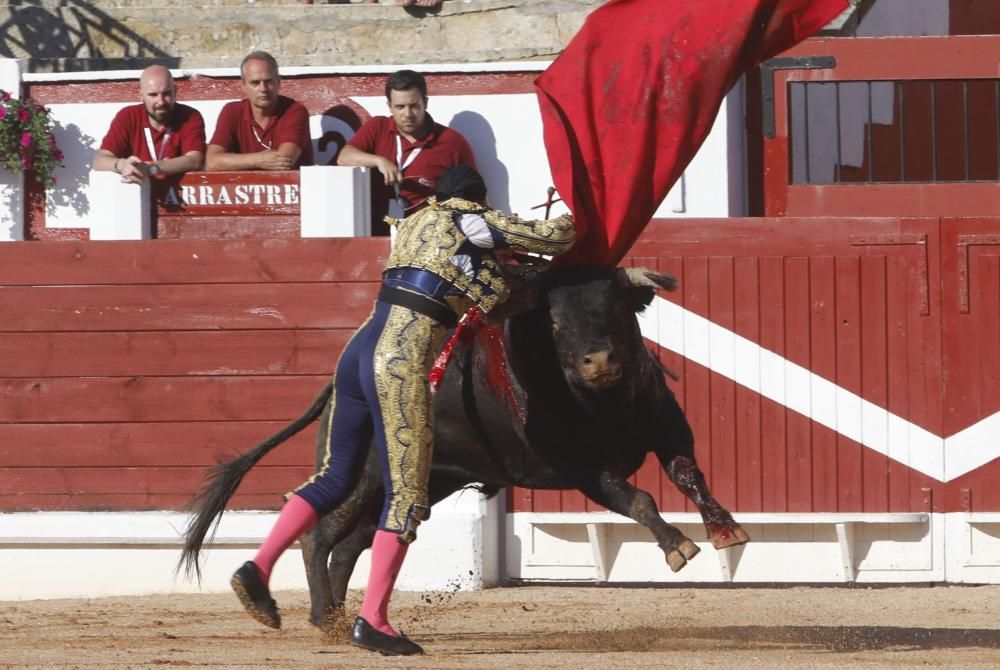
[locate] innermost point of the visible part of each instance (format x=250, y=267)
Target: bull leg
x=619, y=496
x=344, y=558
x=723, y=531
x=316, y=547
x=346, y=525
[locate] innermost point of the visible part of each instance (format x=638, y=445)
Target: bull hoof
x=334, y=624
x=728, y=536
x=684, y=552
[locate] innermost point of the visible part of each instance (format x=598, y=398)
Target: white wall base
x=973, y=541
x=808, y=548
x=66, y=554
x=85, y=555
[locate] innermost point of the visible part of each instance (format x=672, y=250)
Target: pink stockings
x=387, y=558
x=297, y=517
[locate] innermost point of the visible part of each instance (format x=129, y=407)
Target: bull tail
x=222, y=482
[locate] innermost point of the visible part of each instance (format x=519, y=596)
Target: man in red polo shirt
x=265, y=131
x=409, y=149
x=157, y=136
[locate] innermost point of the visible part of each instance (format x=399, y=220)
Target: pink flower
x=58, y=155
x=4, y=95
x=23, y=115
x=3, y=113
x=25, y=140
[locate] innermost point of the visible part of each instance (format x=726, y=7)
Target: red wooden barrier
x=129, y=367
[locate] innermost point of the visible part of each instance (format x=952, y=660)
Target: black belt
x=419, y=303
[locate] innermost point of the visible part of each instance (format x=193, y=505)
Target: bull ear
x=642, y=277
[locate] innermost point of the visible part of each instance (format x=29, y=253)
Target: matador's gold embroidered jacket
x=430, y=238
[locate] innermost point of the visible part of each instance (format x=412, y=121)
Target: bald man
x=156, y=137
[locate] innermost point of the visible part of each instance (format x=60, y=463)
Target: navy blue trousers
x=399, y=345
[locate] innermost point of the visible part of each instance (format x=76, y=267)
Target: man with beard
x=157, y=136
x=408, y=148
x=264, y=131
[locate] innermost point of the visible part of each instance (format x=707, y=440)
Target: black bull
x=562, y=396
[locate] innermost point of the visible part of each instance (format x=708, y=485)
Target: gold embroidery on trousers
x=403, y=357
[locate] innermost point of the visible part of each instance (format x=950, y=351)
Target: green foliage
x=26, y=139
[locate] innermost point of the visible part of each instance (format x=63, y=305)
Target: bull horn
x=646, y=277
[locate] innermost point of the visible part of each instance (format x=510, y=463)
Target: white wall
x=80, y=554
x=505, y=132
x=11, y=184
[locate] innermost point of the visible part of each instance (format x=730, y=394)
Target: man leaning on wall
x=159, y=136
x=265, y=130
x=409, y=149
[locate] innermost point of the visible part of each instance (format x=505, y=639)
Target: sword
x=551, y=191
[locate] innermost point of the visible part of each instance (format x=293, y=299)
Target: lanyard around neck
x=399, y=155
x=266, y=145
x=152, y=147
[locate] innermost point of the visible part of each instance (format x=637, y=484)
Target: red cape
x=630, y=100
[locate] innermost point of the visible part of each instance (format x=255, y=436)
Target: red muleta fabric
x=630, y=100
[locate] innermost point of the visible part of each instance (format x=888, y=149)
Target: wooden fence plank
x=117, y=502
x=127, y=481
x=144, y=444
x=228, y=227
x=193, y=261
x=186, y=307
x=847, y=329
x=171, y=353
x=822, y=333
x=128, y=399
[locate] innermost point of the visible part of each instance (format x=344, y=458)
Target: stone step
x=126, y=34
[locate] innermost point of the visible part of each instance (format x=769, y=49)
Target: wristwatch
x=154, y=169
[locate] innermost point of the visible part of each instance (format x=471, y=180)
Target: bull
x=561, y=396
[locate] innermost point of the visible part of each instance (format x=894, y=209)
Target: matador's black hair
x=461, y=181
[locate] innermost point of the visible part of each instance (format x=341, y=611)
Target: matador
x=444, y=261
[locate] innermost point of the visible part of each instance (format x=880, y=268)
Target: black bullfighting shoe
x=365, y=636
x=255, y=596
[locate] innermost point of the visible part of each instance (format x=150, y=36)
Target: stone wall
x=71, y=35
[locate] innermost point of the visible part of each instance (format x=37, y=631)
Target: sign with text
x=228, y=204
x=228, y=194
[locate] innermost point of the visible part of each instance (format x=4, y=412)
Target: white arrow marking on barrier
x=724, y=352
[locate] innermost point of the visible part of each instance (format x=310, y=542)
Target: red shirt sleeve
x=119, y=138
x=226, y=127
x=192, y=132
x=366, y=139
x=294, y=127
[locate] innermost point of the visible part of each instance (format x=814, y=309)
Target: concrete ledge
x=822, y=547
x=84, y=554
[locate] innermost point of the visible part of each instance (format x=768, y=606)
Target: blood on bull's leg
x=619, y=496
x=723, y=531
